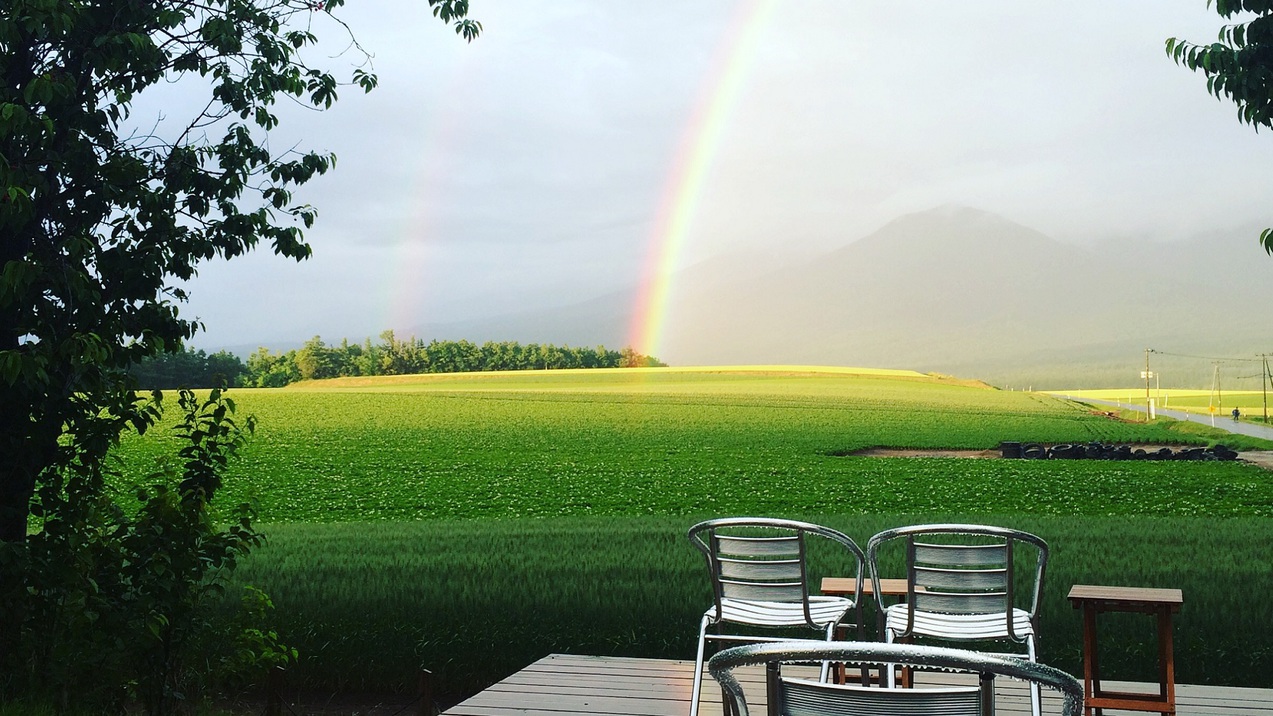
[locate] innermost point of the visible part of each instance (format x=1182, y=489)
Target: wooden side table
x=1161, y=603
x=844, y=586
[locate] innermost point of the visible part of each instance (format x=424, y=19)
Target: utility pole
x=1216, y=403
x=1211, y=399
x=1147, y=375
x=1264, y=385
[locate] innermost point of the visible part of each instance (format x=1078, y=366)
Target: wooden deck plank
x=578, y=685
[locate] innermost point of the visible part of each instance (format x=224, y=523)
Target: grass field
x=1250, y=402
x=474, y=600
x=473, y=523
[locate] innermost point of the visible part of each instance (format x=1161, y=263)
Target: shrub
x=124, y=606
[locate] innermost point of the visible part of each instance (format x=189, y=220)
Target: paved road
x=1223, y=422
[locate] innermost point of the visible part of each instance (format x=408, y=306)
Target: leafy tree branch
x=1238, y=65
x=101, y=221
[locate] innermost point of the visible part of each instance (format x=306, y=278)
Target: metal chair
x=960, y=583
x=803, y=697
x=760, y=579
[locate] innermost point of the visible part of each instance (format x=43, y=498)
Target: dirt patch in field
x=907, y=452
x=1263, y=458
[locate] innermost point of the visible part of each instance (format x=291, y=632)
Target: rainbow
x=700, y=143
x=411, y=259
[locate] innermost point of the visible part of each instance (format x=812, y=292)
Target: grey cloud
x=533, y=163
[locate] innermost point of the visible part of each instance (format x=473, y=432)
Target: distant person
x=1236, y=414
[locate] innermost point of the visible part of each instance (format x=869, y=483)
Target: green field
x=1220, y=403
x=473, y=523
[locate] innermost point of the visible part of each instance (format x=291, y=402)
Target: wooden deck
x=564, y=685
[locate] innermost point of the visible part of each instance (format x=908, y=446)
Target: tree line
x=316, y=360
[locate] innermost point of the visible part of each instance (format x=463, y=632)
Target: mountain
x=602, y=320
x=952, y=290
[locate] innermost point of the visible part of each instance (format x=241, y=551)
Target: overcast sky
x=529, y=167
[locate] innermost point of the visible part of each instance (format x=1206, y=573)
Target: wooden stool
x=1160, y=602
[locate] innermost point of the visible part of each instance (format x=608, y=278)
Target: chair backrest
x=798, y=697
x=963, y=569
x=764, y=559
x=805, y=697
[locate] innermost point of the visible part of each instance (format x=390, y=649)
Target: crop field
x=1250, y=402
x=473, y=523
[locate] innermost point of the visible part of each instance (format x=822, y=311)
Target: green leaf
x=10, y=366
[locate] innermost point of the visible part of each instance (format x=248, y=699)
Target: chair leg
x=890, y=669
x=826, y=665
x=1036, y=695
x=727, y=704
x=698, y=665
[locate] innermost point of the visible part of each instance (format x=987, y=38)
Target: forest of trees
x=391, y=356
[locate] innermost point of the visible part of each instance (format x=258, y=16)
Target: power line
x=1213, y=359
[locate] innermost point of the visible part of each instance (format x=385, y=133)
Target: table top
x=1080, y=593
x=842, y=586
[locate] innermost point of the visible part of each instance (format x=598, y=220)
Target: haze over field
x=1001, y=190
x=957, y=291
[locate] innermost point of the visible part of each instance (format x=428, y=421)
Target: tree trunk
x=15, y=500
x=16, y=486
x=17, y=420
x=17, y=478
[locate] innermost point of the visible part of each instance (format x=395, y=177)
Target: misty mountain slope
x=951, y=269
x=958, y=290
x=952, y=290
x=603, y=320
x=955, y=277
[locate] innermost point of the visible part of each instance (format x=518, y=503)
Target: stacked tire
x=1101, y=451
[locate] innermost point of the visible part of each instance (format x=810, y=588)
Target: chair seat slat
x=960, y=626
x=823, y=610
